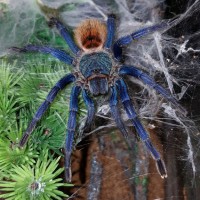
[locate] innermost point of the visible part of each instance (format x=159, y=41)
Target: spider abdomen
x=90, y=34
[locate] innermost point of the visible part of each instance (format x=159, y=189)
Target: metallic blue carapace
x=95, y=63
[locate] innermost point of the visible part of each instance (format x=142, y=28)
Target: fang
x=98, y=86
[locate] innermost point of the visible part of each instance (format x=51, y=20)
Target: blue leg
x=115, y=112
x=45, y=105
x=139, y=127
x=110, y=31
x=71, y=127
x=65, y=34
x=60, y=54
x=133, y=71
x=117, y=47
x=90, y=107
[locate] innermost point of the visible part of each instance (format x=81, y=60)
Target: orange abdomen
x=90, y=35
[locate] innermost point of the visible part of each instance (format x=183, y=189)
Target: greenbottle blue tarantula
x=97, y=71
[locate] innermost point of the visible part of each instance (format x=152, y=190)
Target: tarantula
x=97, y=70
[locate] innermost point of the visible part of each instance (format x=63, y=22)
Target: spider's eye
x=90, y=34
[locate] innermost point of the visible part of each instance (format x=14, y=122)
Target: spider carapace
x=97, y=70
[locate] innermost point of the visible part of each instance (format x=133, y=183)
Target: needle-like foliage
x=20, y=95
x=31, y=172
x=34, y=183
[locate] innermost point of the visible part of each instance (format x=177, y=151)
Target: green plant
x=10, y=155
x=38, y=182
x=31, y=172
x=20, y=177
x=9, y=79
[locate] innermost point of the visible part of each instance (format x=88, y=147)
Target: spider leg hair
x=90, y=109
x=57, y=53
x=65, y=34
x=115, y=112
x=133, y=71
x=139, y=127
x=110, y=31
x=45, y=105
x=125, y=40
x=71, y=126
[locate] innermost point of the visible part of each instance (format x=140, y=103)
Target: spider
x=97, y=70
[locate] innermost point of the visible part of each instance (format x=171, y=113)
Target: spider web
x=172, y=58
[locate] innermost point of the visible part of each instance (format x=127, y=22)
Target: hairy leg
x=133, y=71
x=65, y=34
x=57, y=53
x=110, y=31
x=90, y=107
x=125, y=40
x=71, y=126
x=139, y=127
x=115, y=112
x=45, y=105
